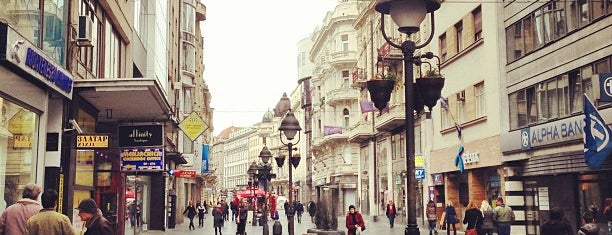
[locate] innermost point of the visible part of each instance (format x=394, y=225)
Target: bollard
x=277, y=228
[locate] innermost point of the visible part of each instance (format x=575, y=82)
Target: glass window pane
x=575, y=91
x=528, y=34
x=515, y=113
x=563, y=93
x=560, y=19
x=602, y=66
x=553, y=99
x=532, y=112
x=54, y=38
x=583, y=11
x=573, y=16
x=586, y=74
x=18, y=135
x=539, y=27
x=84, y=168
x=23, y=17
x=598, y=7
x=542, y=103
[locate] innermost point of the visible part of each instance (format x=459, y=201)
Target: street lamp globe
x=407, y=14
x=290, y=126
x=265, y=155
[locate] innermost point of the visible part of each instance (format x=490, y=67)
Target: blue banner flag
x=205, y=158
x=597, y=135
x=459, y=159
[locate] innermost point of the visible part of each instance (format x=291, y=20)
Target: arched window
x=347, y=120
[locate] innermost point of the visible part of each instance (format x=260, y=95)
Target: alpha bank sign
x=552, y=133
x=33, y=61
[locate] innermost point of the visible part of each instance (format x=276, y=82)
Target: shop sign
x=193, y=126
x=142, y=159
x=92, y=141
x=552, y=133
x=138, y=136
x=605, y=87
x=205, y=158
x=469, y=158
x=185, y=173
x=22, y=141
x=438, y=179
x=419, y=174
x=419, y=161
x=31, y=59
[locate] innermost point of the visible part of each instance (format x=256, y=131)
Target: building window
x=443, y=47
x=347, y=118
x=446, y=118
x=18, y=132
x=461, y=107
x=89, y=56
x=477, y=15
x=345, y=78
x=480, y=99
x=555, y=98
x=345, y=42
x=111, y=52
x=459, y=30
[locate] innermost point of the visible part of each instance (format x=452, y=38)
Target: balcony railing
x=342, y=94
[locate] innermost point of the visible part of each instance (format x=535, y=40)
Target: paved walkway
x=380, y=227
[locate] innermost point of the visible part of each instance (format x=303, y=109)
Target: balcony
x=200, y=11
x=392, y=120
x=343, y=58
x=322, y=141
x=340, y=95
x=360, y=132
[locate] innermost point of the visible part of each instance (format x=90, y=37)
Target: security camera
x=75, y=126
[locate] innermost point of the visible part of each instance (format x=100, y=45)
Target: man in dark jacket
x=47, y=221
x=299, y=210
x=242, y=218
x=95, y=223
x=312, y=209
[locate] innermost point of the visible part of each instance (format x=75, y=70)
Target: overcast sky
x=250, y=51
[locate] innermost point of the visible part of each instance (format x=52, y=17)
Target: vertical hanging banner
x=205, y=157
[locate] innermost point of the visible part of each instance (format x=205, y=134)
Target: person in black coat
x=201, y=209
x=191, y=213
x=242, y=218
x=473, y=218
x=556, y=224
x=299, y=210
x=312, y=209
x=217, y=215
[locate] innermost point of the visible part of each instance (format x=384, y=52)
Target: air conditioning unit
x=461, y=96
x=85, y=31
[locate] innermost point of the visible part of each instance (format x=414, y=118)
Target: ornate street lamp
x=252, y=171
x=408, y=15
x=289, y=127
x=264, y=174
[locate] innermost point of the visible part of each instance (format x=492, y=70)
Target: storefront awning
x=176, y=157
x=125, y=99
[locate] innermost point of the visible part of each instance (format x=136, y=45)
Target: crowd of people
x=29, y=217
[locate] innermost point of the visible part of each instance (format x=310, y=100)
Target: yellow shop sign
x=92, y=141
x=23, y=141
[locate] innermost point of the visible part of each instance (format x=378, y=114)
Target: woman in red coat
x=354, y=221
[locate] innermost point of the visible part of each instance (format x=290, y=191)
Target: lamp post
x=289, y=127
x=408, y=15
x=264, y=173
x=252, y=171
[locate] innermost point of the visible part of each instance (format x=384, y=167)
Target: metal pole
x=290, y=212
x=408, y=47
x=266, y=230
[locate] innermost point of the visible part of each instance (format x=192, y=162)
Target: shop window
x=84, y=168
x=18, y=159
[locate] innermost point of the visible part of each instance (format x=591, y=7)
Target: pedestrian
x=286, y=206
x=354, y=221
x=242, y=218
x=191, y=213
x=473, y=218
x=94, y=222
x=201, y=209
x=504, y=216
x=391, y=211
x=217, y=215
x=488, y=224
x=47, y=221
x=432, y=217
x=133, y=210
x=556, y=224
x=299, y=209
x=589, y=226
x=312, y=209
x=450, y=217
x=234, y=207
x=225, y=210
x=13, y=219
x=608, y=214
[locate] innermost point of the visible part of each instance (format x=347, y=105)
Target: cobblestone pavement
x=380, y=227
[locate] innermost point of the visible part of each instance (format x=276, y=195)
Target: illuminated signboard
x=92, y=141
x=142, y=159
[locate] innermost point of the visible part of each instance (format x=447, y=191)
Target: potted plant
x=380, y=88
x=428, y=89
